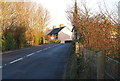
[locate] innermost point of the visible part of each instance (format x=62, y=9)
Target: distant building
x=62, y=33
x=75, y=34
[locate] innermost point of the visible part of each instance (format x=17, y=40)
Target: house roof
x=55, y=31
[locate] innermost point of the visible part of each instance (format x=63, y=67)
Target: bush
x=4, y=43
x=42, y=40
x=22, y=40
x=8, y=42
x=55, y=41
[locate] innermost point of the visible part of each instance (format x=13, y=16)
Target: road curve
x=40, y=62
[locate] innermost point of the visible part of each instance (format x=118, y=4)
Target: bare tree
x=98, y=30
x=24, y=20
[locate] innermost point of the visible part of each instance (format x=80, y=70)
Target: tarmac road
x=37, y=62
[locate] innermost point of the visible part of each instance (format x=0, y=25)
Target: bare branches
x=27, y=15
x=96, y=28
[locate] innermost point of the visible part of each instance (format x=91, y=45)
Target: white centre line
x=1, y=67
x=40, y=50
x=37, y=51
x=27, y=56
x=5, y=65
x=30, y=54
x=16, y=60
x=46, y=48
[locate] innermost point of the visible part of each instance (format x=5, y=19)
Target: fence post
x=100, y=65
x=77, y=48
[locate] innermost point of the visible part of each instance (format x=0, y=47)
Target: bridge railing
x=102, y=66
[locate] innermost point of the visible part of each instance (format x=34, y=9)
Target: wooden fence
x=102, y=67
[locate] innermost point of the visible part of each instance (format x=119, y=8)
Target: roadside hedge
x=8, y=42
x=11, y=42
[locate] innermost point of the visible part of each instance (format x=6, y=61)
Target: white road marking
x=1, y=67
x=40, y=50
x=27, y=56
x=30, y=54
x=5, y=65
x=24, y=56
x=46, y=48
x=16, y=60
x=37, y=51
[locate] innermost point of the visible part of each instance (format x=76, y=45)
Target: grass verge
x=77, y=68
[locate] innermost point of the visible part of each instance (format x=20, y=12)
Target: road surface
x=37, y=62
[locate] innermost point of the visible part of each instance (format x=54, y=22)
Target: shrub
x=36, y=40
x=8, y=42
x=55, y=41
x=42, y=40
x=4, y=43
x=22, y=40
